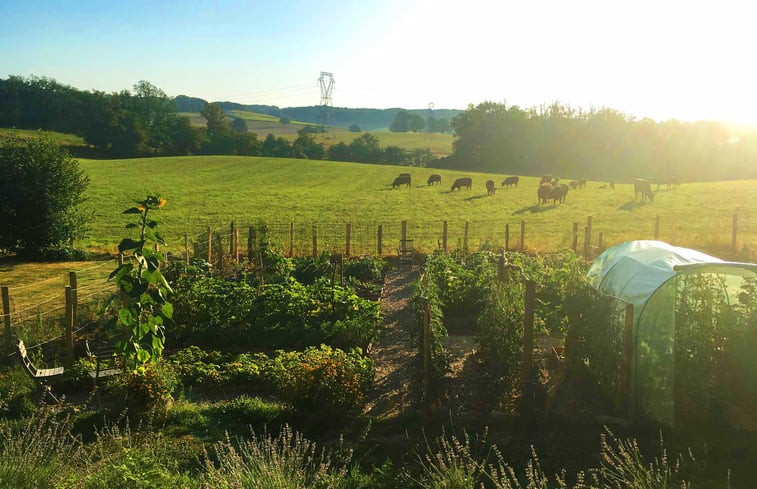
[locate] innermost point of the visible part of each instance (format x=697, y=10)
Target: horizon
x=647, y=60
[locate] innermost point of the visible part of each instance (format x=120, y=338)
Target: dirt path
x=394, y=349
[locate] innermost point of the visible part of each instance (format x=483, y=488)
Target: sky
x=661, y=59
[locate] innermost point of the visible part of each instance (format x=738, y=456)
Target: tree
x=239, y=125
x=355, y=128
x=401, y=122
x=415, y=123
x=276, y=147
x=339, y=152
x=216, y=120
x=41, y=188
x=366, y=149
x=394, y=155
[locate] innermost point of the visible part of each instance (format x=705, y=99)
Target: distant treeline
x=145, y=122
x=367, y=119
x=599, y=144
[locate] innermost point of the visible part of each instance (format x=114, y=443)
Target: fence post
x=231, y=239
x=315, y=241
x=528, y=338
x=348, y=239
x=444, y=237
x=74, y=297
x=657, y=228
x=380, y=240
x=210, y=244
x=523, y=236
x=236, y=245
x=507, y=237
x=501, y=270
x=186, y=249
x=575, y=237
x=7, y=319
x=587, y=242
x=465, y=240
x=68, y=331
x=734, y=231
x=403, y=233
x=426, y=356
x=625, y=380
x=120, y=258
x=291, y=239
x=250, y=242
x=588, y=235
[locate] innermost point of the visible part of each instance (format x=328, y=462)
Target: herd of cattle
x=550, y=187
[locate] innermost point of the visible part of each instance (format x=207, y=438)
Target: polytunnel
x=693, y=337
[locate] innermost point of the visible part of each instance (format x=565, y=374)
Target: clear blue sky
x=661, y=59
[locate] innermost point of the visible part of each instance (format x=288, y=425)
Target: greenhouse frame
x=691, y=345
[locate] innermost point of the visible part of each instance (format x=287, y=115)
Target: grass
x=214, y=190
x=59, y=137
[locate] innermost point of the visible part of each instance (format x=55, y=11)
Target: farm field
x=61, y=138
x=207, y=191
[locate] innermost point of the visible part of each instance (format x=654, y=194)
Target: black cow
x=434, y=179
x=490, y=188
x=643, y=187
x=462, y=182
x=546, y=178
x=510, y=181
x=401, y=180
x=544, y=192
x=558, y=193
x=582, y=183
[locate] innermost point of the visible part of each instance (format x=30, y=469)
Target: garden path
x=394, y=349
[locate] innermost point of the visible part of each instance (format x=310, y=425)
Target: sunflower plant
x=145, y=310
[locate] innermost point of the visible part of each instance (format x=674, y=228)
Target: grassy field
x=59, y=137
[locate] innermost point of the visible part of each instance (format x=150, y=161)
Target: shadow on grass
x=534, y=209
x=476, y=197
x=632, y=204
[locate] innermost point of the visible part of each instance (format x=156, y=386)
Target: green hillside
x=213, y=190
x=69, y=140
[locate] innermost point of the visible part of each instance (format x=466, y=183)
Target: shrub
x=149, y=389
x=16, y=390
x=41, y=188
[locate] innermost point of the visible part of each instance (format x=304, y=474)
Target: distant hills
x=367, y=119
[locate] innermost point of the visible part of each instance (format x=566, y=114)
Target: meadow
x=212, y=191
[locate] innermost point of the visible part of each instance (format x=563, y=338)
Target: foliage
x=265, y=461
x=41, y=191
x=16, y=390
x=354, y=128
x=428, y=290
x=140, y=326
x=148, y=390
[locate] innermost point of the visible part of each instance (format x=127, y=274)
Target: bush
x=150, y=388
x=41, y=187
x=16, y=390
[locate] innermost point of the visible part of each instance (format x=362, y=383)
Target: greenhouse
x=691, y=344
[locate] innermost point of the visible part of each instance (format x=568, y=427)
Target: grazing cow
x=404, y=174
x=462, y=182
x=582, y=183
x=434, y=179
x=510, y=181
x=643, y=187
x=490, y=189
x=603, y=186
x=558, y=193
x=544, y=192
x=546, y=178
x=612, y=184
x=401, y=180
x=574, y=185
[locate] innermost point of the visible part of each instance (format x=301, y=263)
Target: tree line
x=600, y=144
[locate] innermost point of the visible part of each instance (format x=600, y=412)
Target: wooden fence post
x=523, y=236
x=575, y=237
x=120, y=258
x=734, y=231
x=380, y=240
x=528, y=338
x=291, y=239
x=403, y=233
x=236, y=245
x=348, y=239
x=587, y=242
x=250, y=243
x=231, y=239
x=588, y=235
x=657, y=228
x=210, y=245
x=444, y=237
x=315, y=241
x=186, y=249
x=465, y=240
x=501, y=270
x=68, y=331
x=625, y=380
x=426, y=356
x=74, y=297
x=7, y=319
x=507, y=237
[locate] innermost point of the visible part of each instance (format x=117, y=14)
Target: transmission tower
x=326, y=82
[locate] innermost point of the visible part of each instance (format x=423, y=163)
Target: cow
x=558, y=193
x=545, y=189
x=574, y=185
x=403, y=179
x=546, y=178
x=612, y=184
x=581, y=183
x=510, y=181
x=490, y=188
x=434, y=179
x=643, y=187
x=462, y=182
x=657, y=181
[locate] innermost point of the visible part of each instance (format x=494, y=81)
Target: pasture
x=214, y=190
x=61, y=138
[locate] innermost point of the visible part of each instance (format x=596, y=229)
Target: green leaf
x=125, y=268
x=132, y=210
x=167, y=310
x=152, y=224
x=143, y=356
x=126, y=317
x=132, y=225
x=160, y=239
x=129, y=244
x=157, y=343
